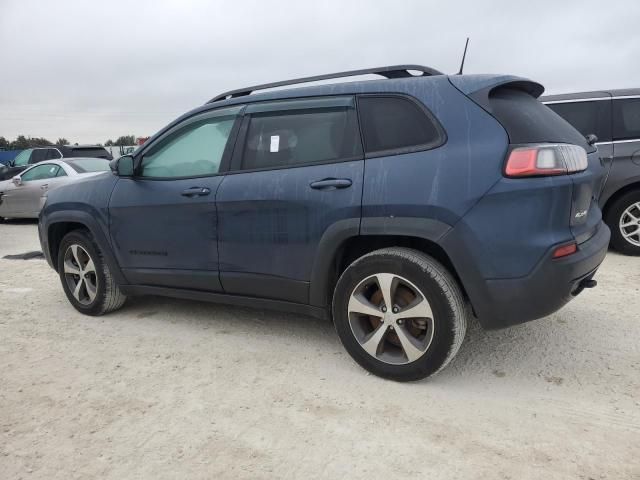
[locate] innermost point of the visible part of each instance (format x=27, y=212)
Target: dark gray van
x=614, y=117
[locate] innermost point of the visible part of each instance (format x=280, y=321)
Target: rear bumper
x=551, y=284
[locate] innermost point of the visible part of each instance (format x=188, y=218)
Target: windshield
x=84, y=165
x=22, y=158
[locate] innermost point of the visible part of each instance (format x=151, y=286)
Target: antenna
x=464, y=55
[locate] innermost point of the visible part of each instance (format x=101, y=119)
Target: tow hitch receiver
x=587, y=282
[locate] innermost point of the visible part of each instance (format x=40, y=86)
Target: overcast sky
x=90, y=71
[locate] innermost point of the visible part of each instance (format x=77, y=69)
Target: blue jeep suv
x=397, y=207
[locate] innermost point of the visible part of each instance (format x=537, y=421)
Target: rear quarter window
x=526, y=120
x=397, y=124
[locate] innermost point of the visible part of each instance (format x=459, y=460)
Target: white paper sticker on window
x=275, y=143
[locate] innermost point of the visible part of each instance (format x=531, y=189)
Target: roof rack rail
x=393, y=71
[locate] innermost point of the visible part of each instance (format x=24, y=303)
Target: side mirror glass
x=17, y=181
x=122, y=166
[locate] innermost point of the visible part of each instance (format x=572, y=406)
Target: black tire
x=107, y=294
x=613, y=217
x=434, y=282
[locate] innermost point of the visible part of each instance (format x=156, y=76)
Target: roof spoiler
x=475, y=84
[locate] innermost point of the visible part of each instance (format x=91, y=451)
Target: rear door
x=297, y=176
x=163, y=219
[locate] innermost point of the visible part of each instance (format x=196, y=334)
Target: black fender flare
x=93, y=225
x=341, y=231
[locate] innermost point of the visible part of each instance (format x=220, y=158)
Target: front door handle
x=44, y=187
x=196, y=192
x=331, y=183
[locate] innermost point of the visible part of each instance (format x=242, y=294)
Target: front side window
x=295, y=137
x=396, y=123
x=22, y=158
x=40, y=172
x=626, y=119
x=592, y=117
x=194, y=150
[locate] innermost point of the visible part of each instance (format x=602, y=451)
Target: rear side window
x=626, y=119
x=296, y=137
x=587, y=117
x=53, y=154
x=395, y=123
x=39, y=155
x=526, y=120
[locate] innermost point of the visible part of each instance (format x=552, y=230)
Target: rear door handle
x=331, y=183
x=196, y=192
x=44, y=187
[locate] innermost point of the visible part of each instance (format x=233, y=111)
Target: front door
x=26, y=199
x=163, y=219
x=297, y=172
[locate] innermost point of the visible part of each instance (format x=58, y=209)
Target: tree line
x=22, y=142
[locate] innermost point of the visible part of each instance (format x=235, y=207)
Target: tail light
x=546, y=159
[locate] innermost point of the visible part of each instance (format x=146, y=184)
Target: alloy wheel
x=391, y=318
x=80, y=274
x=630, y=224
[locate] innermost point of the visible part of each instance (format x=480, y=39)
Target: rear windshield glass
x=84, y=165
x=90, y=152
x=526, y=120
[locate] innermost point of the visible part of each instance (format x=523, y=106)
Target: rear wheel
x=399, y=313
x=85, y=276
x=623, y=218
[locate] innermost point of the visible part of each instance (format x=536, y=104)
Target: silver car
x=24, y=195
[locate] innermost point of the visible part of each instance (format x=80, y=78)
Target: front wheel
x=85, y=277
x=623, y=218
x=400, y=314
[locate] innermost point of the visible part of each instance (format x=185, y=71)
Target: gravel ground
x=174, y=389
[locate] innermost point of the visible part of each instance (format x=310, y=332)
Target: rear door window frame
x=291, y=105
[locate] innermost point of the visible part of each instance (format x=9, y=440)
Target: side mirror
x=591, y=139
x=17, y=181
x=122, y=166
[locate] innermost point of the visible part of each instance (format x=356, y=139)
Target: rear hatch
x=513, y=102
x=90, y=151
